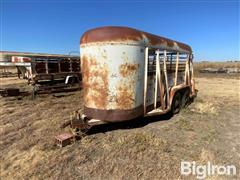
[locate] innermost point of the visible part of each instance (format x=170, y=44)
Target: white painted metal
x=176, y=70
x=165, y=74
x=67, y=80
x=156, y=82
x=192, y=78
x=110, y=58
x=159, y=78
x=145, y=79
x=188, y=70
x=15, y=64
x=46, y=66
x=185, y=75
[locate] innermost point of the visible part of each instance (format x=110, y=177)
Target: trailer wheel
x=185, y=98
x=176, y=103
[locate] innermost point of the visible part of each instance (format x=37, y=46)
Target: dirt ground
x=151, y=148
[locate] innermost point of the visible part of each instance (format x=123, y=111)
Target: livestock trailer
x=37, y=67
x=128, y=73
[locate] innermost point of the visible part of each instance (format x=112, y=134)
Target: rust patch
x=115, y=33
x=95, y=83
x=128, y=69
x=184, y=46
x=110, y=33
x=114, y=116
x=125, y=96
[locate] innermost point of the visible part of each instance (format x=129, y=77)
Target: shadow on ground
x=131, y=124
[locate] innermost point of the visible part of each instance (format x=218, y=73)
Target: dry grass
x=208, y=130
x=205, y=107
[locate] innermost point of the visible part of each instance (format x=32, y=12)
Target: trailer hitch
x=78, y=127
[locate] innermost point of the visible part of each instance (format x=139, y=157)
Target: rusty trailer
x=46, y=73
x=129, y=73
x=38, y=67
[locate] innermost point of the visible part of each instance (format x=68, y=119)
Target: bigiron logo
x=203, y=171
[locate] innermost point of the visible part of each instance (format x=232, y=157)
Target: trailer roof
x=118, y=34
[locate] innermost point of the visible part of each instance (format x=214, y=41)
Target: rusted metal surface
x=64, y=139
x=128, y=69
x=119, y=34
x=112, y=81
x=20, y=59
x=95, y=82
x=106, y=75
x=113, y=115
x=81, y=126
x=114, y=65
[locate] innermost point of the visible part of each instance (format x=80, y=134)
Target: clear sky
x=210, y=27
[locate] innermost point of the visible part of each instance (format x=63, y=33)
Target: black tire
x=176, y=103
x=185, y=98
